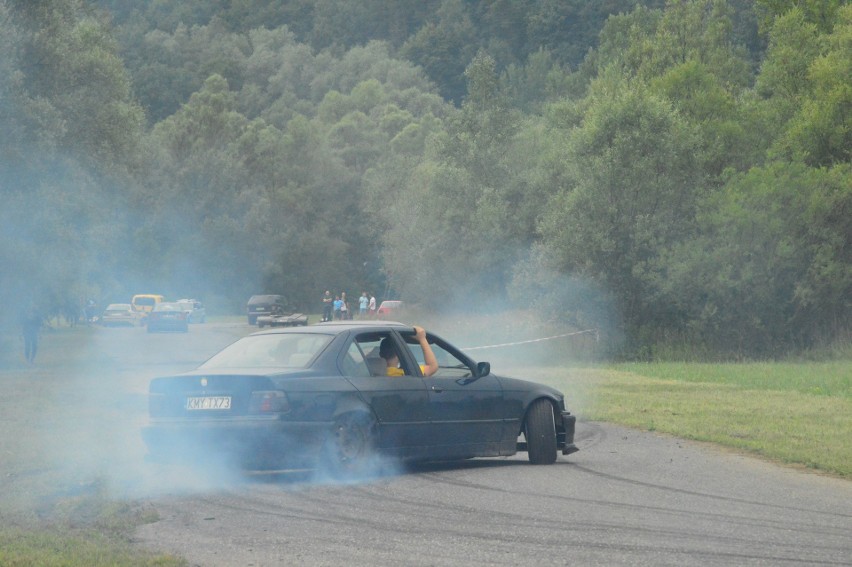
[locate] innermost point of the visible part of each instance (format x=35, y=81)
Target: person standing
x=372, y=306
x=338, y=306
x=327, y=306
x=363, y=302
x=30, y=328
x=344, y=307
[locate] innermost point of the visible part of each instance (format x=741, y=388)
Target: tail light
x=273, y=401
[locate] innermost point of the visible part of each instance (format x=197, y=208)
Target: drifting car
x=168, y=316
x=119, y=314
x=320, y=395
x=278, y=319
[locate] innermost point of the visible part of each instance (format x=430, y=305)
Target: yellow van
x=144, y=303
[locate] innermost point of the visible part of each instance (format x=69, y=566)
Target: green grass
x=798, y=414
x=52, y=548
x=89, y=530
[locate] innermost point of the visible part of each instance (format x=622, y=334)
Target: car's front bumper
x=565, y=438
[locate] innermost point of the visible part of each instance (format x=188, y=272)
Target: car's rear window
x=286, y=350
x=144, y=301
x=255, y=299
x=168, y=307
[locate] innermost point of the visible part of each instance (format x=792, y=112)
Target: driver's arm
x=431, y=363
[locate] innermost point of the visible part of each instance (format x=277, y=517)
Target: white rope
x=533, y=340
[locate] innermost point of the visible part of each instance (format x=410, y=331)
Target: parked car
x=387, y=308
x=144, y=303
x=168, y=316
x=119, y=314
x=320, y=395
x=196, y=313
x=282, y=320
x=259, y=305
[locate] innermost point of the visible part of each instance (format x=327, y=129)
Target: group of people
x=337, y=308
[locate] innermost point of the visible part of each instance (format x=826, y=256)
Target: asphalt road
x=627, y=498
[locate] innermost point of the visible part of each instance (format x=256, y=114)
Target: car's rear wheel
x=540, y=432
x=349, y=449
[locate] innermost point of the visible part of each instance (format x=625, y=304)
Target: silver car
x=196, y=313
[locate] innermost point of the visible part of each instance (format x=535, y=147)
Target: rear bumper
x=565, y=438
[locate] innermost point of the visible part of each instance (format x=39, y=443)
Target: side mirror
x=483, y=369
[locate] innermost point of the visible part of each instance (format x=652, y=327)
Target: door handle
x=437, y=389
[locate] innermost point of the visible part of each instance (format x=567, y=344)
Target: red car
x=387, y=308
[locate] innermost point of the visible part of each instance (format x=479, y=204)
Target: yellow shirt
x=400, y=372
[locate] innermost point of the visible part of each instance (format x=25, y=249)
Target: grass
x=793, y=413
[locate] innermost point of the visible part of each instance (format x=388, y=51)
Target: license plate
x=208, y=403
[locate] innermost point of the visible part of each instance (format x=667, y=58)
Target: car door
x=465, y=409
x=400, y=403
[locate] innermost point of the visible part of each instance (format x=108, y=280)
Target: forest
x=675, y=173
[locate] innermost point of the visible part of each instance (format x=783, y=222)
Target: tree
x=770, y=267
x=820, y=129
x=633, y=181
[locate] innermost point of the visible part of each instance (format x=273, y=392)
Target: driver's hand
x=419, y=333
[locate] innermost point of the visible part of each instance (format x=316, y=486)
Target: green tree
x=770, y=268
x=820, y=129
x=632, y=183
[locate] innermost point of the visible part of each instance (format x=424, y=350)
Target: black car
x=321, y=395
x=263, y=305
x=168, y=316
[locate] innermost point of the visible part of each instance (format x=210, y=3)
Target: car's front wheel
x=540, y=432
x=349, y=450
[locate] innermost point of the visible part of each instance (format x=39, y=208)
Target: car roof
x=337, y=327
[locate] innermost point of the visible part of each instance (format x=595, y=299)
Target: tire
x=540, y=432
x=349, y=451
x=252, y=320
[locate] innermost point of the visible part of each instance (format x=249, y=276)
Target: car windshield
x=287, y=350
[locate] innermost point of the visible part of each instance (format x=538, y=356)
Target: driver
x=388, y=352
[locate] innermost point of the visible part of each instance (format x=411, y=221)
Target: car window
x=369, y=344
x=287, y=350
x=354, y=363
x=449, y=365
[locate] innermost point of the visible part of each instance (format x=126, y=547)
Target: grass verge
x=798, y=414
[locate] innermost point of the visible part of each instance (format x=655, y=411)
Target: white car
x=118, y=314
x=196, y=313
